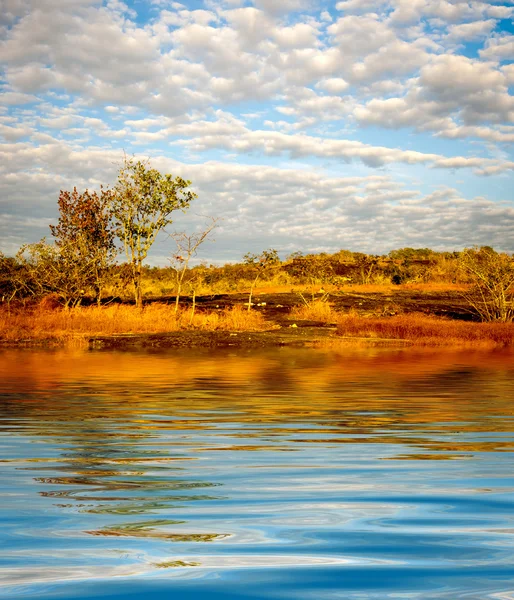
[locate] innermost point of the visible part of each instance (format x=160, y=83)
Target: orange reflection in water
x=352, y=392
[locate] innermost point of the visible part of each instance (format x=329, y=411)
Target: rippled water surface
x=285, y=473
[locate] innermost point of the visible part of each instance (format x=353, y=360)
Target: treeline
x=337, y=270
x=40, y=270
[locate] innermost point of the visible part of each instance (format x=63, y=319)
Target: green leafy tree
x=142, y=203
x=492, y=277
x=260, y=263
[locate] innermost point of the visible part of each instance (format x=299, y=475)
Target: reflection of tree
x=105, y=468
x=107, y=416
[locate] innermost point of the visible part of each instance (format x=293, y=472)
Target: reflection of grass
x=77, y=323
x=106, y=484
x=425, y=456
x=144, y=505
x=175, y=563
x=147, y=529
x=129, y=509
x=427, y=330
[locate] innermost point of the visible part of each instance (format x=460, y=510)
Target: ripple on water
x=277, y=474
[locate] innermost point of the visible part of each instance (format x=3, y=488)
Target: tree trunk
x=193, y=308
x=177, y=297
x=251, y=292
x=138, y=296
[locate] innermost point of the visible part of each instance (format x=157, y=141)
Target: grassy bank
x=59, y=325
x=425, y=330
x=49, y=325
x=417, y=328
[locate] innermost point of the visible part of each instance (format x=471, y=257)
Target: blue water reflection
x=285, y=473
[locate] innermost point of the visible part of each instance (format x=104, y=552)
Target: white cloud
x=284, y=6
x=471, y=31
x=499, y=48
x=476, y=89
x=334, y=85
x=310, y=209
x=449, y=89
x=446, y=11
x=91, y=72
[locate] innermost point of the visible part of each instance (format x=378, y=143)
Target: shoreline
x=286, y=336
x=407, y=318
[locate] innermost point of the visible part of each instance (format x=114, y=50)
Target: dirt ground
x=276, y=308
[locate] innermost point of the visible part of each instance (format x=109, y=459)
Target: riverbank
x=274, y=320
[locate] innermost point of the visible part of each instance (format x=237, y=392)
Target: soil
x=276, y=309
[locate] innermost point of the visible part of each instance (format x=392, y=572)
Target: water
x=285, y=473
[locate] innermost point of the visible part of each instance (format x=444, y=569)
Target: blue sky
x=361, y=124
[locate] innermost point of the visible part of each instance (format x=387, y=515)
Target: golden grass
x=315, y=311
x=424, y=330
x=81, y=323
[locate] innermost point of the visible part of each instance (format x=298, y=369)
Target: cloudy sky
x=309, y=125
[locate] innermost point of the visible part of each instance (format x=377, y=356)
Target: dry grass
x=315, y=311
x=81, y=323
x=426, y=330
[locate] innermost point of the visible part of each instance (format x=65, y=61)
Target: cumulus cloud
x=471, y=31
x=500, y=48
x=311, y=210
x=363, y=85
x=450, y=90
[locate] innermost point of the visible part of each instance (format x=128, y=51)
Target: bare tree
x=261, y=263
x=12, y=279
x=186, y=248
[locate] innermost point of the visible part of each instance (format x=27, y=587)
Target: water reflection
x=147, y=464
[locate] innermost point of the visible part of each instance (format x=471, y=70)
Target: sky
x=304, y=125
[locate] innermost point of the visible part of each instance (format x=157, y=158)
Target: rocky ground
x=276, y=309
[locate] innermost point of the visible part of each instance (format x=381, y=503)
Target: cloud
x=499, y=48
x=371, y=84
x=471, y=31
x=451, y=89
x=266, y=206
x=454, y=11
x=280, y=8
x=476, y=89
x=334, y=85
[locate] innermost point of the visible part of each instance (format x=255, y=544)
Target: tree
x=261, y=263
x=492, y=277
x=187, y=247
x=366, y=264
x=85, y=238
x=12, y=281
x=48, y=269
x=142, y=202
